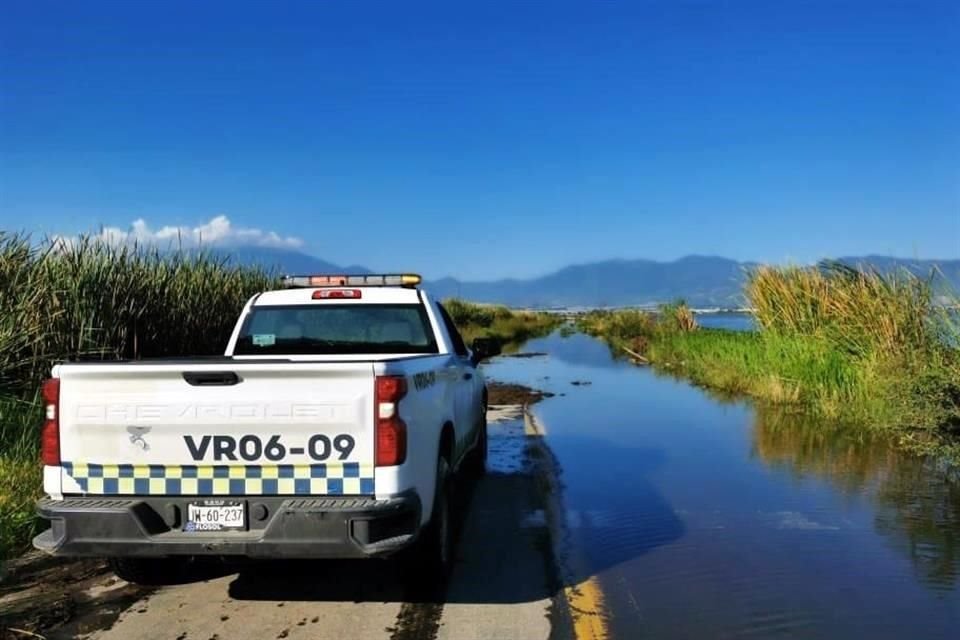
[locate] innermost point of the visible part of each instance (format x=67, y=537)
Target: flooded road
x=708, y=519
x=627, y=505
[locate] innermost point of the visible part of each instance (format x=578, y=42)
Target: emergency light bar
x=371, y=280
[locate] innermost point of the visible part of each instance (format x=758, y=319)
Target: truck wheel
x=477, y=464
x=149, y=571
x=432, y=556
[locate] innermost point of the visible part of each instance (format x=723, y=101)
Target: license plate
x=216, y=515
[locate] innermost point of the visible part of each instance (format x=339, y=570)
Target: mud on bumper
x=277, y=527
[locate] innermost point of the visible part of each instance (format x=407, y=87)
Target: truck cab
x=333, y=425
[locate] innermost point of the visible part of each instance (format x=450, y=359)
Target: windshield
x=336, y=329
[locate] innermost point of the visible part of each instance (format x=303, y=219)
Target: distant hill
x=284, y=261
x=948, y=269
x=703, y=281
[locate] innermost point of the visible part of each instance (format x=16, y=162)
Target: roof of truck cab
x=368, y=295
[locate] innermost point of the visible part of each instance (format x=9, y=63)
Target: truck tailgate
x=217, y=429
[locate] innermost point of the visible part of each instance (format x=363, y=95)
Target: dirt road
x=505, y=584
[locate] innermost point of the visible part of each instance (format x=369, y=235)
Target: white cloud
x=218, y=232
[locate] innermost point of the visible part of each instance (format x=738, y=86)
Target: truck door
x=464, y=384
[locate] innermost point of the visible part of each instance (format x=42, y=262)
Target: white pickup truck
x=332, y=427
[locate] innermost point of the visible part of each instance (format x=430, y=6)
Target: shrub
x=508, y=326
x=677, y=317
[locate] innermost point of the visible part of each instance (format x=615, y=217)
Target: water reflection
x=919, y=511
x=916, y=500
x=704, y=516
x=574, y=349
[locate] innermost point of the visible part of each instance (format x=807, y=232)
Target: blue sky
x=490, y=139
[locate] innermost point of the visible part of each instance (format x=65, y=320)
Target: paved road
x=506, y=582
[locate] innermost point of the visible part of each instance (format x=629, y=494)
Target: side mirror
x=484, y=348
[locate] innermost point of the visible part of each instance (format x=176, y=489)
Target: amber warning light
x=369, y=280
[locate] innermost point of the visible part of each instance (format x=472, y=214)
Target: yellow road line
x=586, y=608
x=585, y=599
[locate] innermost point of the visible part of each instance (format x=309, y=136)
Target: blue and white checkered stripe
x=349, y=478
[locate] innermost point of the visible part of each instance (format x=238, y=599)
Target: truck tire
x=149, y=571
x=432, y=555
x=477, y=463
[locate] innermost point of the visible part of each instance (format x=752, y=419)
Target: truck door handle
x=211, y=378
x=467, y=376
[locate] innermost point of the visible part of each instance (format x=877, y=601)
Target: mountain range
x=703, y=281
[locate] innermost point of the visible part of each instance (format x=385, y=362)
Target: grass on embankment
x=20, y=472
x=509, y=327
x=853, y=346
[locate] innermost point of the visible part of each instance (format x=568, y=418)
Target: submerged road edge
x=582, y=597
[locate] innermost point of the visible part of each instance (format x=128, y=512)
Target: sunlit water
x=704, y=519
x=731, y=321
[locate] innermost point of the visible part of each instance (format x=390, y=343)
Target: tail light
x=391, y=430
x=50, y=433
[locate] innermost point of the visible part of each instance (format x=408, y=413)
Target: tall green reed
x=89, y=299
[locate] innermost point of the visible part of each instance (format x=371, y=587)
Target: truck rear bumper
x=278, y=527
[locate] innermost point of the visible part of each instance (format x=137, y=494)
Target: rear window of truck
x=333, y=329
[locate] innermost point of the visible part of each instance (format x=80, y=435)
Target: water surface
x=733, y=321
x=702, y=518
